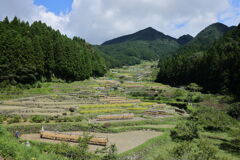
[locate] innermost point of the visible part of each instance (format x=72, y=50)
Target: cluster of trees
x=36, y=52
x=216, y=69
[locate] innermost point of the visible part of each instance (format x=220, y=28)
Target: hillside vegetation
x=36, y=52
x=204, y=39
x=147, y=44
x=216, y=69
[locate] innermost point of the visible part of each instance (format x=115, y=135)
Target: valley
x=140, y=96
x=75, y=107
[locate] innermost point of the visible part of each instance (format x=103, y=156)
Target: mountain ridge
x=147, y=34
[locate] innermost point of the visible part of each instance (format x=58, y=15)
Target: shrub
x=67, y=119
x=196, y=150
x=37, y=119
x=106, y=125
x=212, y=119
x=1, y=119
x=72, y=109
x=78, y=119
x=110, y=153
x=39, y=85
x=4, y=84
x=198, y=97
x=194, y=87
x=195, y=97
x=15, y=119
x=179, y=93
x=185, y=131
x=234, y=111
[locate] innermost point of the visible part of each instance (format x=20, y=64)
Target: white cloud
x=100, y=20
x=26, y=10
x=231, y=16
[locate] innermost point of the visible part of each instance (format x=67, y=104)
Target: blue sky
x=56, y=6
x=235, y=3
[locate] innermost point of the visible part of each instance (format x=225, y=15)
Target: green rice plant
x=146, y=104
x=137, y=108
x=101, y=111
x=106, y=105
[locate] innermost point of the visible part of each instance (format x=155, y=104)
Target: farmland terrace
x=125, y=106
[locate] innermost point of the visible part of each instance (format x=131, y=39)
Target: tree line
x=216, y=69
x=36, y=52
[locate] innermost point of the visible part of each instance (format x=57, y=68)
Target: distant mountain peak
x=215, y=27
x=147, y=34
x=149, y=29
x=185, y=39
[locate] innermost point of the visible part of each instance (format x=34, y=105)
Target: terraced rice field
x=94, y=97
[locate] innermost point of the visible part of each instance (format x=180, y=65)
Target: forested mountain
x=147, y=44
x=204, y=39
x=29, y=53
x=184, y=39
x=217, y=68
x=150, y=44
x=148, y=34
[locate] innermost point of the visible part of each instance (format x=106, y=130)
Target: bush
x=67, y=119
x=72, y=109
x=198, y=97
x=15, y=119
x=106, y=125
x=39, y=85
x=1, y=119
x=234, y=111
x=194, y=87
x=185, y=131
x=37, y=119
x=110, y=153
x=195, y=97
x=78, y=118
x=212, y=119
x=179, y=93
x=196, y=150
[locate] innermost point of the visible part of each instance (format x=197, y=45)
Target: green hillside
x=36, y=52
x=204, y=39
x=216, y=69
x=147, y=44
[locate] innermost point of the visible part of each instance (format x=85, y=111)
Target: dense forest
x=146, y=44
x=36, y=52
x=215, y=68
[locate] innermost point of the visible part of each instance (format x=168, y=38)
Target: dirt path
x=124, y=141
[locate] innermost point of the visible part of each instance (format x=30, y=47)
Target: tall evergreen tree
x=29, y=53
